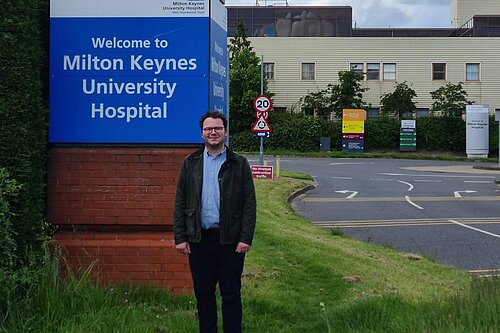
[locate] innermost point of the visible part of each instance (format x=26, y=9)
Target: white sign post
x=477, y=131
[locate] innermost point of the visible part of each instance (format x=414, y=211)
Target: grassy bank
x=297, y=278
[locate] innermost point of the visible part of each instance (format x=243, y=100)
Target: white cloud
x=381, y=13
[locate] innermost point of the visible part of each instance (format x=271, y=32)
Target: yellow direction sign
x=357, y=127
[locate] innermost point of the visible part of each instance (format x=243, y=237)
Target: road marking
x=477, y=181
x=396, y=199
x=429, y=181
x=405, y=222
x=476, y=229
x=342, y=178
x=350, y=196
x=485, y=272
x=382, y=179
x=440, y=175
x=412, y=203
x=345, y=163
x=458, y=195
x=410, y=185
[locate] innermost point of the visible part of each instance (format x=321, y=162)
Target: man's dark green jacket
x=237, y=200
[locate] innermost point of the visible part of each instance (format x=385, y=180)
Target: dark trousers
x=211, y=262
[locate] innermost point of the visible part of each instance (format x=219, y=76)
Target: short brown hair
x=216, y=115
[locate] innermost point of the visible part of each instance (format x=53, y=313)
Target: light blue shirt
x=210, y=194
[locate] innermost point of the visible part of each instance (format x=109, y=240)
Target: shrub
x=493, y=136
x=295, y=132
x=23, y=131
x=441, y=133
x=244, y=141
x=382, y=133
x=333, y=129
x=302, y=133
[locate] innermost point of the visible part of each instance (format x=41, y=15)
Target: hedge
x=23, y=123
x=297, y=132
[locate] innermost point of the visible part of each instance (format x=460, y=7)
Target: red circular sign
x=262, y=103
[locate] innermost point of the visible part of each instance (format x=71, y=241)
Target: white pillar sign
x=477, y=131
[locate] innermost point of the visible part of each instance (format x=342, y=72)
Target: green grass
x=419, y=155
x=295, y=175
x=297, y=278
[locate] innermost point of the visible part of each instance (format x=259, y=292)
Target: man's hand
x=183, y=248
x=242, y=247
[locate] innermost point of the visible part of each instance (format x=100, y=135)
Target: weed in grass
x=323, y=310
x=337, y=232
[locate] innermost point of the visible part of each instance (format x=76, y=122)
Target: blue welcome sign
x=130, y=71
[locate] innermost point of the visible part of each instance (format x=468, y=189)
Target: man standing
x=214, y=222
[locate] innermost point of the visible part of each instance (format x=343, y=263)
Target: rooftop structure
x=336, y=21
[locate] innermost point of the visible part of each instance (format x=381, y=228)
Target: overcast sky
x=381, y=13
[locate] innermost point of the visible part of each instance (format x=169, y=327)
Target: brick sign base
x=113, y=211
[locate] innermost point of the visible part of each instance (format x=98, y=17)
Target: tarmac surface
x=471, y=169
x=430, y=217
x=474, y=169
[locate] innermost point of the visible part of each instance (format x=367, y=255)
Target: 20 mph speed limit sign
x=262, y=103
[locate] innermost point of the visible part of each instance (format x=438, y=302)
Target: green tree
x=347, y=94
x=239, y=41
x=317, y=103
x=399, y=102
x=449, y=100
x=245, y=81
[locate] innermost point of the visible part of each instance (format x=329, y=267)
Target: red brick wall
x=113, y=208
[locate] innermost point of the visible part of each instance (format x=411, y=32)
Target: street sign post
x=262, y=104
x=408, y=135
x=407, y=139
x=353, y=129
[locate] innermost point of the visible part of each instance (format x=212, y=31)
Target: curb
x=487, y=167
x=301, y=191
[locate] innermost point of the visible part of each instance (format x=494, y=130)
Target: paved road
x=448, y=211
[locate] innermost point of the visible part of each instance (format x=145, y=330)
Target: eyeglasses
x=208, y=130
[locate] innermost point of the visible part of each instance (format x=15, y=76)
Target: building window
x=373, y=71
x=389, y=72
x=472, y=72
x=308, y=71
x=439, y=71
x=269, y=70
x=357, y=68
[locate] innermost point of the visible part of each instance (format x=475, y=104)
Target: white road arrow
x=350, y=196
x=458, y=195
